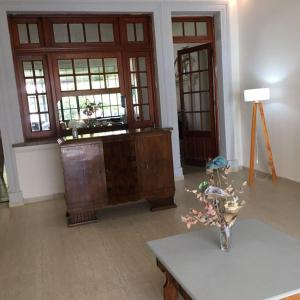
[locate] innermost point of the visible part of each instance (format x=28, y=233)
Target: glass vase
x=225, y=238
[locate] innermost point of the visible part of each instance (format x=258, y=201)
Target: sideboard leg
x=170, y=288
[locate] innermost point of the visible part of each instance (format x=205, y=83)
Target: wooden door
x=195, y=69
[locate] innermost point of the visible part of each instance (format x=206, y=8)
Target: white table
x=262, y=263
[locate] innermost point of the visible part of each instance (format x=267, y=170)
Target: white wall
x=26, y=165
x=270, y=57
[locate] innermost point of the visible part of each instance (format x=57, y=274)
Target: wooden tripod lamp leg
x=252, y=149
x=267, y=140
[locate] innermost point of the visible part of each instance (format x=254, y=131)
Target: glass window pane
x=105, y=100
x=134, y=80
x=195, y=82
x=114, y=111
x=67, y=83
x=74, y=114
x=45, y=122
x=204, y=81
x=186, y=83
x=43, y=103
x=23, y=37
x=145, y=99
x=135, y=96
x=33, y=33
x=143, y=79
x=113, y=99
x=65, y=102
x=201, y=28
x=91, y=33
x=112, y=80
x=35, y=122
x=177, y=29
x=189, y=29
x=30, y=86
x=187, y=102
x=32, y=104
x=197, y=121
x=185, y=63
x=146, y=114
x=81, y=66
x=27, y=66
x=142, y=64
x=139, y=29
x=111, y=65
x=130, y=33
x=137, y=115
x=206, y=121
x=132, y=64
x=194, y=61
x=96, y=65
x=73, y=102
x=76, y=32
x=203, y=57
x=106, y=111
x=97, y=82
x=61, y=33
x=196, y=101
x=107, y=32
x=189, y=121
x=67, y=114
x=38, y=68
x=205, y=101
x=65, y=67
x=40, y=85
x=82, y=83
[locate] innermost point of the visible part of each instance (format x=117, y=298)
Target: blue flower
x=217, y=163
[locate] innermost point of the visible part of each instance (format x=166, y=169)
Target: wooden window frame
x=48, y=49
x=195, y=39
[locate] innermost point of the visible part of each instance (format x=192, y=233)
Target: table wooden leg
x=170, y=288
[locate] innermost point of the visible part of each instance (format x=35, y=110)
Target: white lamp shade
x=256, y=95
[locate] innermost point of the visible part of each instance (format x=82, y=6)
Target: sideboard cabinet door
x=85, y=182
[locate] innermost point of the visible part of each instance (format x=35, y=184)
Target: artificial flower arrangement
x=219, y=198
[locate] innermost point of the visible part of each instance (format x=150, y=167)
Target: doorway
x=194, y=49
x=3, y=181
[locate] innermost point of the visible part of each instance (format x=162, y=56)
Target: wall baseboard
x=44, y=198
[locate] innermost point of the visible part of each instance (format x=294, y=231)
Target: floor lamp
x=257, y=96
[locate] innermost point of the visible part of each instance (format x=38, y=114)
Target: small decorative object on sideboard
x=219, y=200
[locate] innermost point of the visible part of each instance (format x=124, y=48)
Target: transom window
x=97, y=70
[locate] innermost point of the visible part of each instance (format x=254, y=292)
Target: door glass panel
x=30, y=86
x=203, y=57
x=143, y=79
x=188, y=121
x=177, y=29
x=61, y=34
x=189, y=29
x=185, y=63
x=139, y=28
x=201, y=28
x=76, y=32
x=132, y=64
x=187, y=102
x=197, y=121
x=195, y=82
x=186, y=83
x=23, y=36
x=135, y=96
x=204, y=81
x=33, y=33
x=40, y=85
x=32, y=104
x=27, y=67
x=81, y=66
x=137, y=115
x=146, y=114
x=205, y=105
x=196, y=102
x=107, y=32
x=91, y=33
x=134, y=80
x=194, y=61
x=130, y=33
x=206, y=121
x=145, y=99
x=142, y=64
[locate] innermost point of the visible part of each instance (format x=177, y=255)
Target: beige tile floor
x=41, y=258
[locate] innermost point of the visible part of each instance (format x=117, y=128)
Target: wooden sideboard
x=110, y=168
